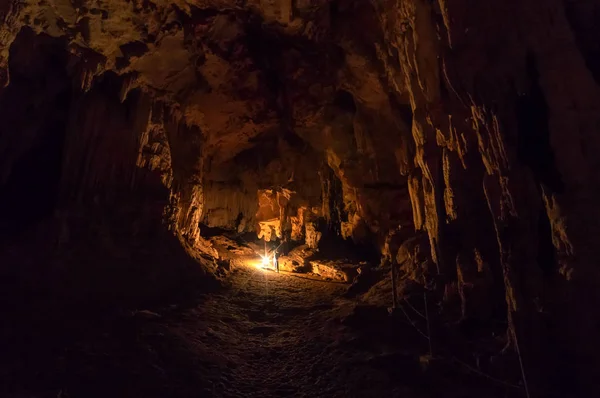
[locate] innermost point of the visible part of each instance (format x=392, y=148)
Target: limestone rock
x=334, y=269
x=289, y=264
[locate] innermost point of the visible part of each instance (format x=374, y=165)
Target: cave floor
x=265, y=335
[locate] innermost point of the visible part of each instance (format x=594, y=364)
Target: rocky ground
x=264, y=335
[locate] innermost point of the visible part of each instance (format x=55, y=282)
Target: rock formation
x=471, y=124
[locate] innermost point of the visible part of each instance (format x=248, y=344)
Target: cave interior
x=422, y=169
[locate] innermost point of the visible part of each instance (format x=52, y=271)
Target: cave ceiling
x=240, y=71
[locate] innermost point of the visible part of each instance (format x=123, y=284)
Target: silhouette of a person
x=276, y=260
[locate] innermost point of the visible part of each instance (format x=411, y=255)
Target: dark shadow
x=334, y=247
x=582, y=17
x=315, y=279
x=546, y=252
x=209, y=232
x=333, y=196
x=344, y=101
x=533, y=146
x=35, y=104
x=35, y=175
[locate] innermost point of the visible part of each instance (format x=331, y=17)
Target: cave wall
x=99, y=179
x=472, y=123
x=496, y=122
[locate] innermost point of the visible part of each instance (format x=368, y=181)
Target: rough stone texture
x=334, y=270
x=472, y=122
x=239, y=77
x=297, y=260
x=269, y=230
x=288, y=264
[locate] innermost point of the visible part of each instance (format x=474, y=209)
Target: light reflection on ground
x=262, y=263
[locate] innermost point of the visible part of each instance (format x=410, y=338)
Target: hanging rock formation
x=473, y=124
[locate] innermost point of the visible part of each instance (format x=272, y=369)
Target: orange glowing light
x=265, y=261
x=263, y=264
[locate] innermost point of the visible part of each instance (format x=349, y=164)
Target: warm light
x=265, y=261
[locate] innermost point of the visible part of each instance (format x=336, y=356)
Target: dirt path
x=266, y=335
x=288, y=335
x=280, y=335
